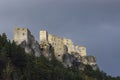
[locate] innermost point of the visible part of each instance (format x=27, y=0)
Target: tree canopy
x=15, y=64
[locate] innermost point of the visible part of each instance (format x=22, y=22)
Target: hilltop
x=63, y=49
x=16, y=64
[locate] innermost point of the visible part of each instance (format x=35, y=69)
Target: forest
x=15, y=64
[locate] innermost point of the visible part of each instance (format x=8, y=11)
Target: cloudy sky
x=92, y=23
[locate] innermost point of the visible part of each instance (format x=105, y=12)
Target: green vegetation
x=15, y=64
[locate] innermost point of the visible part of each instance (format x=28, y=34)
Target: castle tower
x=20, y=35
x=43, y=36
x=82, y=51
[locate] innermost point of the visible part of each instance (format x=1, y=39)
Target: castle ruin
x=64, y=49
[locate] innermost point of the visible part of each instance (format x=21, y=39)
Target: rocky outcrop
x=78, y=62
x=31, y=48
x=46, y=49
x=67, y=60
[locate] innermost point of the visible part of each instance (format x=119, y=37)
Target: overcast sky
x=92, y=23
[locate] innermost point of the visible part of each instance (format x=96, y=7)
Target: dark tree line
x=15, y=64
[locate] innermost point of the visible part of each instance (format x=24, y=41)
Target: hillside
x=16, y=64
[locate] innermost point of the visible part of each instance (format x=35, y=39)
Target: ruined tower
x=20, y=35
x=43, y=36
x=24, y=38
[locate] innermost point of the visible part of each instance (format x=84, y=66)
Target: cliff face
x=32, y=48
x=78, y=61
x=46, y=50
